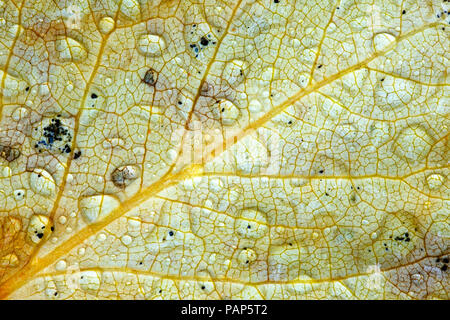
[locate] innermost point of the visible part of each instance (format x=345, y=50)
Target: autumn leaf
x=224, y=149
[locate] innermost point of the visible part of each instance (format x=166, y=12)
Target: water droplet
x=187, y=185
x=9, y=260
x=130, y=9
x=382, y=40
x=20, y=113
x=416, y=277
x=6, y=172
x=94, y=208
x=251, y=224
x=126, y=240
x=247, y=256
x=106, y=25
x=70, y=49
x=44, y=89
x=19, y=194
x=235, y=71
x=254, y=106
x=303, y=79
x=108, y=81
x=89, y=281
x=226, y=111
x=295, y=43
x=151, y=45
x=61, y=265
x=38, y=228
x=81, y=251
x=134, y=224
x=41, y=182
x=101, y=237
x=139, y=151
x=62, y=219
x=12, y=86
x=413, y=143
x=435, y=181
x=69, y=178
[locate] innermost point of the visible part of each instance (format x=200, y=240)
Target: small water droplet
x=435, y=181
x=254, y=106
x=62, y=219
x=61, y=265
x=416, y=276
x=101, y=237
x=9, y=260
x=19, y=194
x=20, y=113
x=151, y=45
x=126, y=240
x=44, y=89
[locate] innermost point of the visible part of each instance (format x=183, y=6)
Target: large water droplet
x=413, y=143
x=252, y=224
x=38, y=228
x=130, y=9
x=12, y=86
x=41, y=182
x=106, y=25
x=94, y=208
x=89, y=281
x=382, y=40
x=70, y=49
x=226, y=111
x=235, y=71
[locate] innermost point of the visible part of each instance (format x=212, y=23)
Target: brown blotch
x=8, y=153
x=151, y=76
x=123, y=176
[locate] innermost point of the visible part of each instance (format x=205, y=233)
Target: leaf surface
x=224, y=149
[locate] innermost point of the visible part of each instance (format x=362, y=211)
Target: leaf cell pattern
x=245, y=149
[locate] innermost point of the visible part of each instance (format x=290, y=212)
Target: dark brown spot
x=151, y=76
x=123, y=176
x=8, y=153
